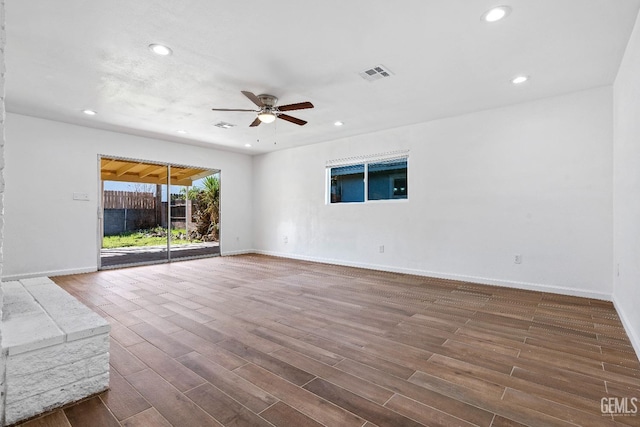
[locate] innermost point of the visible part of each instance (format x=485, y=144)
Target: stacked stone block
x=56, y=349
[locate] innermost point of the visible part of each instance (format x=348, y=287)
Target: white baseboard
x=240, y=252
x=563, y=290
x=52, y=273
x=554, y=289
x=49, y=273
x=632, y=332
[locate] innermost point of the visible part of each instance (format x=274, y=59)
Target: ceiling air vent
x=224, y=125
x=375, y=73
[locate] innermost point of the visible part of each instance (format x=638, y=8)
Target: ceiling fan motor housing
x=268, y=100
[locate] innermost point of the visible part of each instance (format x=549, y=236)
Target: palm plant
x=207, y=206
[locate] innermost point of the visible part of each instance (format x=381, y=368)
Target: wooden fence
x=128, y=200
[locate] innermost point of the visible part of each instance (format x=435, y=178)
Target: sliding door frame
x=100, y=213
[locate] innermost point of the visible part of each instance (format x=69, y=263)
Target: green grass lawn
x=143, y=238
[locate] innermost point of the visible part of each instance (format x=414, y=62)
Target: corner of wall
x=628, y=326
x=626, y=179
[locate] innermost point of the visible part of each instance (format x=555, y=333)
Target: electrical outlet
x=286, y=239
x=517, y=259
x=381, y=249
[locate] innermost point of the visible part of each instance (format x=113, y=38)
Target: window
x=377, y=180
x=347, y=184
x=387, y=180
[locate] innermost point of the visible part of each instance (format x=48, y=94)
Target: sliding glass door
x=152, y=213
x=195, y=218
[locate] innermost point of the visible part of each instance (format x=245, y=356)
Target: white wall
x=3, y=40
x=626, y=180
x=48, y=233
x=533, y=179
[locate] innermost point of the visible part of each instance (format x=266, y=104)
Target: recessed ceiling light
x=159, y=49
x=497, y=13
x=89, y=112
x=338, y=123
x=247, y=145
x=181, y=131
x=518, y=80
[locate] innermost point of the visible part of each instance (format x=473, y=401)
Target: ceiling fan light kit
x=268, y=111
x=267, y=117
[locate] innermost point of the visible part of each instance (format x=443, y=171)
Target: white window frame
x=364, y=160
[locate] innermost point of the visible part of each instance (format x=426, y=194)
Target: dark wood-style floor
x=260, y=341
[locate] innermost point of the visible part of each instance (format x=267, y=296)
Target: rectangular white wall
x=49, y=233
x=533, y=179
x=626, y=290
x=3, y=40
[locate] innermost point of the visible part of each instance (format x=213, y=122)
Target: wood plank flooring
x=260, y=341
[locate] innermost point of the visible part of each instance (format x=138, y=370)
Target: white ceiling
x=65, y=56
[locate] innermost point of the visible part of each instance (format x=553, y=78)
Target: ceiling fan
x=268, y=111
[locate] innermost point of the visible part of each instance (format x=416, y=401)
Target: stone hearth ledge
x=56, y=349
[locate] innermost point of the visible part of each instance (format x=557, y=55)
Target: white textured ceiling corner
x=63, y=57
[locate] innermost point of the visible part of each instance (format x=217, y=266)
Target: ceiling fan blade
x=292, y=119
x=256, y=122
x=298, y=106
x=233, y=109
x=253, y=98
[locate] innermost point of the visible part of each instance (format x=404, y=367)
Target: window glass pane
x=347, y=184
x=388, y=180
